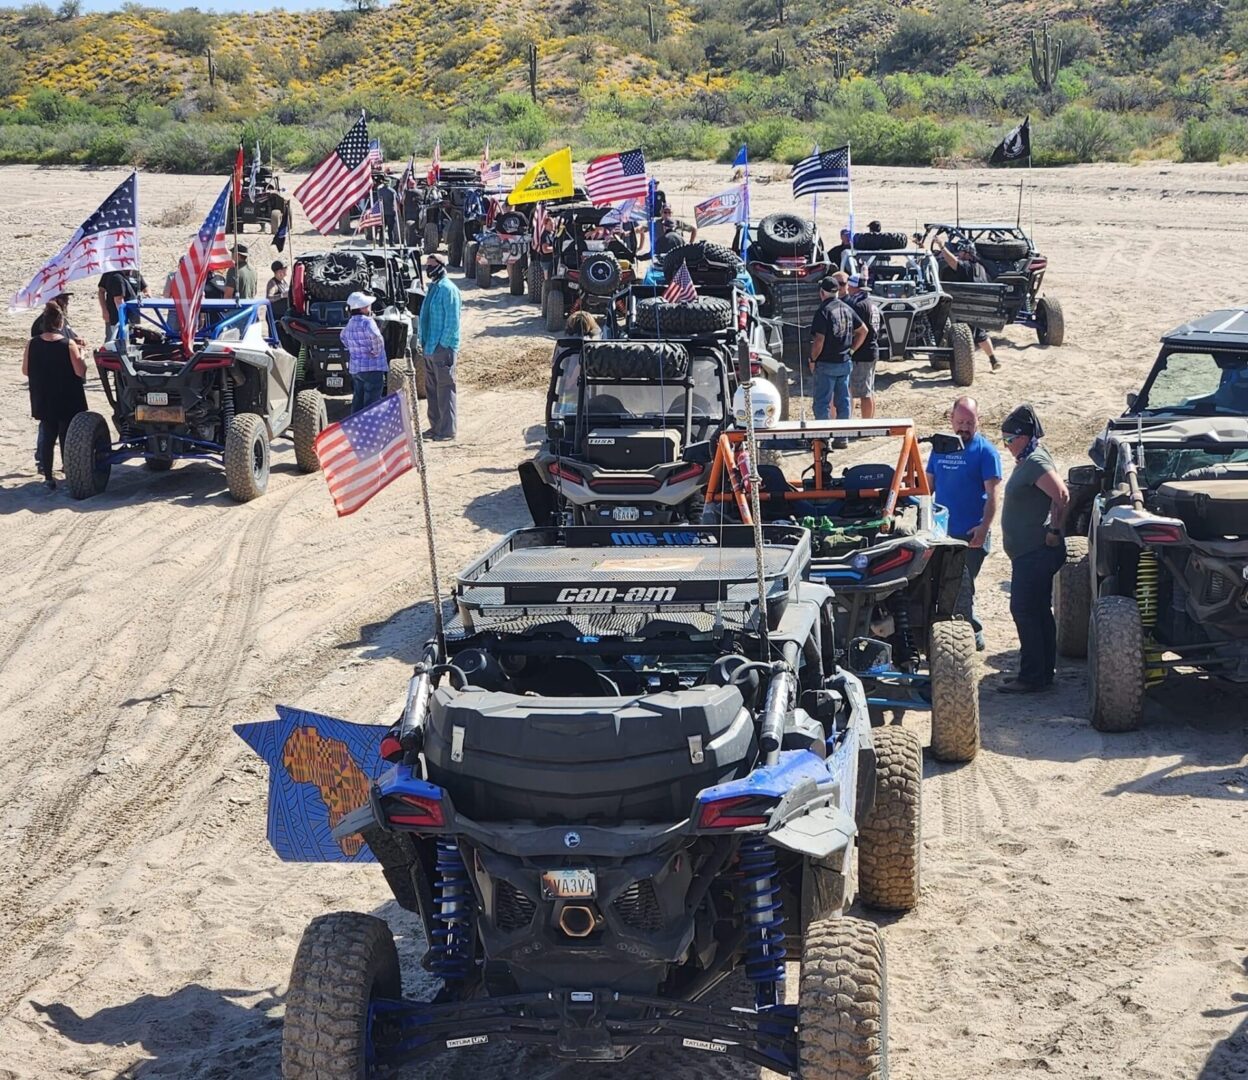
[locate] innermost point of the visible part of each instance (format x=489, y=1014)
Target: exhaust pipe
x=577, y=920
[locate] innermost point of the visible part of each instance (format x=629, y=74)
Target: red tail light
x=897, y=559
x=1038, y=264
x=564, y=473
x=735, y=812
x=299, y=327
x=298, y=297
x=424, y=812
x=1160, y=534
x=219, y=357
x=687, y=473
x=108, y=359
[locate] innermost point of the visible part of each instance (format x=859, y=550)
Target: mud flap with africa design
x=320, y=769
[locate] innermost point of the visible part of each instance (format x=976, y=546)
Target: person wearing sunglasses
x=1032, y=514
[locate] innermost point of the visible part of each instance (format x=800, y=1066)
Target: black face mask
x=434, y=271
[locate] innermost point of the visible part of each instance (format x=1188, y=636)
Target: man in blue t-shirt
x=967, y=483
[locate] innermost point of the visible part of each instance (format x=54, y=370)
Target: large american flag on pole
x=207, y=252
x=368, y=450
x=108, y=240
x=338, y=182
x=614, y=178
x=681, y=290
x=828, y=171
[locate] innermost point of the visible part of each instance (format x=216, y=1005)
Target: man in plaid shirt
x=366, y=353
x=439, y=341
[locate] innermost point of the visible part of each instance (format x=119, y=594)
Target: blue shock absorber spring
x=453, y=904
x=764, y=921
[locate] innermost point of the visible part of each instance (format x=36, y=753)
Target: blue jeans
x=832, y=386
x=1031, y=606
x=367, y=388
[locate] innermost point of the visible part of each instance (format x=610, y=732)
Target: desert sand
x=1084, y=898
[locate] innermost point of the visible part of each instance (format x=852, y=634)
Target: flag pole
x=413, y=408
x=849, y=171
x=745, y=232
x=814, y=199
x=957, y=204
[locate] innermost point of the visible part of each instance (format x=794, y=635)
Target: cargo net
x=598, y=624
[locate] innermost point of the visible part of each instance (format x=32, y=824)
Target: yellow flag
x=550, y=178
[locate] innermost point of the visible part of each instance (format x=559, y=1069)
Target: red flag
x=238, y=173
x=368, y=450
x=338, y=182
x=205, y=253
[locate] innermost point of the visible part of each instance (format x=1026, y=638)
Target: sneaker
x=994, y=364
x=840, y=443
x=979, y=641
x=1017, y=686
x=49, y=483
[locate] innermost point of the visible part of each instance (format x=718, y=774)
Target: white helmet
x=765, y=399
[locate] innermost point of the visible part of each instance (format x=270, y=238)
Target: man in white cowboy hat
x=366, y=352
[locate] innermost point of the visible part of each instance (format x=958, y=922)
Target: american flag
x=408, y=180
x=540, y=219
x=613, y=178
x=492, y=174
x=363, y=453
x=435, y=169
x=371, y=218
x=207, y=252
x=108, y=240
x=374, y=152
x=828, y=171
x=681, y=290
x=338, y=182
x=629, y=212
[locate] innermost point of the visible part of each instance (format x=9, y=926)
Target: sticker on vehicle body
x=471, y=1040
x=639, y=594
x=702, y=1044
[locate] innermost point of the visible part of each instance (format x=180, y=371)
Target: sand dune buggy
x=620, y=416
x=225, y=402
x=625, y=779
x=451, y=212
x=1011, y=259
x=320, y=285
x=266, y=207
x=1156, y=579
x=882, y=544
x=502, y=245
x=586, y=272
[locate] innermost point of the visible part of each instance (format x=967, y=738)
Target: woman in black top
x=56, y=370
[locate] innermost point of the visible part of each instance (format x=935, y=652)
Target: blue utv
x=628, y=771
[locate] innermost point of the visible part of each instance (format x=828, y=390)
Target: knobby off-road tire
x=484, y=273
x=336, y=275
x=515, y=278
x=246, y=457
x=554, y=312
x=455, y=243
x=700, y=257
x=1072, y=599
x=1002, y=250
x=623, y=359
x=843, y=1002
x=345, y=960
x=397, y=376
x=309, y=420
x=470, y=258
x=785, y=235
x=600, y=273
x=704, y=315
x=888, y=843
x=85, y=442
x=1050, y=322
x=1116, y=664
x=533, y=280
x=432, y=238
x=963, y=364
x=955, y=691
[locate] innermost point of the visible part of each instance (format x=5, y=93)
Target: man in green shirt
x=240, y=279
x=1031, y=531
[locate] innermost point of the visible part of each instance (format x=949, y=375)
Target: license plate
x=569, y=885
x=626, y=513
x=158, y=399
x=167, y=414
x=333, y=380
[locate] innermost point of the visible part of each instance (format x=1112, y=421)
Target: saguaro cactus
x=212, y=67
x=840, y=67
x=651, y=28
x=779, y=58
x=780, y=12
x=533, y=70
x=1046, y=59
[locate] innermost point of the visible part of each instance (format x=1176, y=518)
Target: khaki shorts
x=862, y=379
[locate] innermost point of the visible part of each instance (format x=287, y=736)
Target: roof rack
x=619, y=571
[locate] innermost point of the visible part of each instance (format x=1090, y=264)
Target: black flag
x=1015, y=146
x=283, y=229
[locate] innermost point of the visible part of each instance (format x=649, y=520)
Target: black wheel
x=345, y=961
x=455, y=243
x=955, y=691
x=470, y=258
x=431, y=238
x=309, y=420
x=336, y=275
x=963, y=343
x=1050, y=322
x=889, y=839
x=843, y=1002
x=533, y=280
x=515, y=278
x=881, y=241
x=706, y=261
x=87, y=445
x=600, y=273
x=1002, y=250
x=705, y=314
x=512, y=222
x=1116, y=664
x=785, y=234
x=621, y=359
x=553, y=309
x=246, y=457
x=1072, y=599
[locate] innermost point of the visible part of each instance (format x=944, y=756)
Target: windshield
x=1199, y=383
x=1161, y=465
x=610, y=400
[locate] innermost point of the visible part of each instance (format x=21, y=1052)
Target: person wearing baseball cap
x=439, y=343
x=1032, y=515
x=61, y=300
x=862, y=375
x=278, y=287
x=366, y=352
x=836, y=333
x=240, y=279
